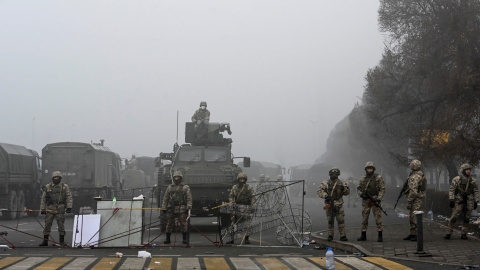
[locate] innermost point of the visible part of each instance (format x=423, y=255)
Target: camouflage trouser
x=352, y=197
x=457, y=210
x=377, y=213
x=338, y=213
x=416, y=205
x=57, y=213
x=241, y=220
x=180, y=214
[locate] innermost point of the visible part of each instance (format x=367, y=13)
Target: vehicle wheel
x=20, y=203
x=11, y=206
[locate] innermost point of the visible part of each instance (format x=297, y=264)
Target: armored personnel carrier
x=206, y=162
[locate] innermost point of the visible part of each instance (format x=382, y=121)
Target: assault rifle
x=376, y=202
x=402, y=192
x=330, y=205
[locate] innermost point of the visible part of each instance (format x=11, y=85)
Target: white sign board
x=85, y=230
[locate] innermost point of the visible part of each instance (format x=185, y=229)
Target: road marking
x=299, y=263
x=133, y=263
x=7, y=261
x=390, y=265
x=358, y=263
x=272, y=264
x=188, y=263
x=27, y=263
x=106, y=263
x=244, y=263
x=75, y=255
x=54, y=263
x=79, y=264
x=210, y=255
x=215, y=263
x=160, y=263
x=338, y=265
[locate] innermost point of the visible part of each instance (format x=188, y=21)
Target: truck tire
x=20, y=203
x=11, y=213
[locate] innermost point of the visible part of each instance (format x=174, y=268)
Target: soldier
x=177, y=203
x=201, y=118
x=332, y=190
x=417, y=184
x=463, y=195
x=352, y=185
x=371, y=189
x=56, y=200
x=133, y=163
x=242, y=196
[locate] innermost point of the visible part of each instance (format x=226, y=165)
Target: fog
x=282, y=73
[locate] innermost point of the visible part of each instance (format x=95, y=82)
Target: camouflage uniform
x=417, y=185
x=243, y=198
x=463, y=196
x=352, y=185
x=201, y=118
x=55, y=200
x=335, y=188
x=177, y=201
x=375, y=186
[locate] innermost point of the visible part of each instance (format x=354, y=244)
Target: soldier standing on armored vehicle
x=417, y=185
x=332, y=190
x=201, y=118
x=371, y=189
x=177, y=203
x=463, y=195
x=242, y=196
x=56, y=200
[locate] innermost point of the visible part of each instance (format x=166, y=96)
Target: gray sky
x=283, y=73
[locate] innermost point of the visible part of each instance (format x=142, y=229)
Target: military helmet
x=178, y=173
x=415, y=165
x=465, y=166
x=56, y=174
x=280, y=177
x=370, y=164
x=334, y=170
x=242, y=175
x=203, y=103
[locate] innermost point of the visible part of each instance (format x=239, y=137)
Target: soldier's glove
x=474, y=205
x=409, y=206
x=363, y=196
x=43, y=212
x=329, y=199
x=69, y=210
x=452, y=204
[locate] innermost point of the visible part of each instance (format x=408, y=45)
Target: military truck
x=206, y=162
x=90, y=170
x=19, y=180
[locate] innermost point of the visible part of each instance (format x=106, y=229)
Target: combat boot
x=409, y=237
x=44, y=242
x=184, y=238
x=414, y=238
x=247, y=242
x=447, y=236
x=363, y=237
x=380, y=236
x=62, y=240
x=343, y=238
x=330, y=238
x=167, y=239
x=464, y=237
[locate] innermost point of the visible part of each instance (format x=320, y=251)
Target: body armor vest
x=422, y=186
x=245, y=196
x=178, y=196
x=372, y=185
x=337, y=192
x=462, y=186
x=56, y=194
